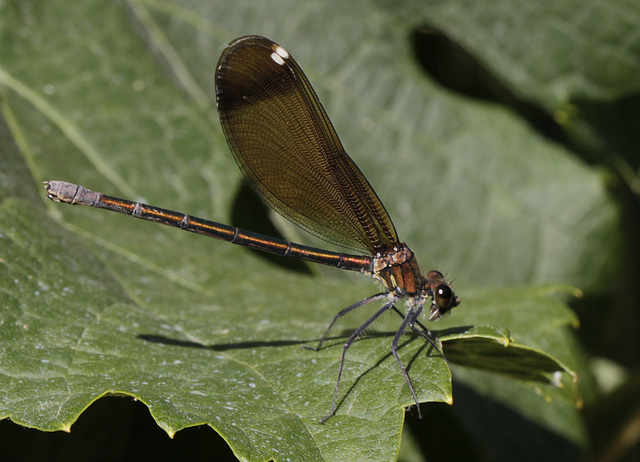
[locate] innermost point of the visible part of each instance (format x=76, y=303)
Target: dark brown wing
x=285, y=145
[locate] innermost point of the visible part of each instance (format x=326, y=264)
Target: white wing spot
x=277, y=58
x=282, y=52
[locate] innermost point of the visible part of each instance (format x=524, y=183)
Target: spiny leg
x=431, y=338
x=356, y=333
x=342, y=313
x=408, y=320
x=425, y=333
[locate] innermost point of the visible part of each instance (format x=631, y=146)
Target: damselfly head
x=444, y=300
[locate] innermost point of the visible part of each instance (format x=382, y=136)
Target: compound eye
x=444, y=297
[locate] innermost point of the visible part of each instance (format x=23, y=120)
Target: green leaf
x=119, y=97
x=545, y=51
